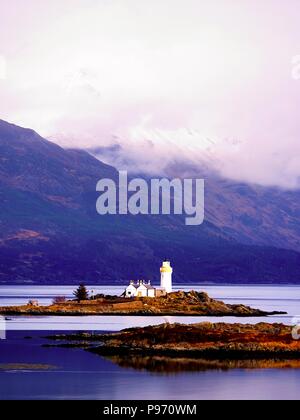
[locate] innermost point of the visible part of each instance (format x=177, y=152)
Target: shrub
x=58, y=299
x=81, y=293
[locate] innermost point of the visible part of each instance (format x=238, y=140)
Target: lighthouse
x=166, y=276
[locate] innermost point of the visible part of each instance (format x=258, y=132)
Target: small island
x=176, y=303
x=201, y=342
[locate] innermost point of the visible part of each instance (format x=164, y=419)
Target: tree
x=81, y=293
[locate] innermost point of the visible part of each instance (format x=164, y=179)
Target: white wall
x=130, y=291
x=151, y=292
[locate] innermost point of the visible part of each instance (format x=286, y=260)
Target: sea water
x=30, y=371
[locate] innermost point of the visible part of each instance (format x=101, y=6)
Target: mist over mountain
x=215, y=79
x=50, y=231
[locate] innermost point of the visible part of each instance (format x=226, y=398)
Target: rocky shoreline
x=175, y=348
x=208, y=339
x=177, y=303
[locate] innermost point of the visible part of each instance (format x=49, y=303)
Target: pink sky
x=160, y=78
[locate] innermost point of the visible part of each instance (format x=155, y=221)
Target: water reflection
x=172, y=365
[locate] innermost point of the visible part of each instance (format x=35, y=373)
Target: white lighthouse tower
x=166, y=276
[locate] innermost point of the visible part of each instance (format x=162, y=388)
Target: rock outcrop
x=179, y=347
x=205, y=338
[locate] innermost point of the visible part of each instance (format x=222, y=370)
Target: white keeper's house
x=145, y=289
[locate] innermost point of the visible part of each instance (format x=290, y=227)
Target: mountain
x=50, y=231
x=251, y=214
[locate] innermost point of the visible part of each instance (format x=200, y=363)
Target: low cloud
x=3, y=67
x=142, y=86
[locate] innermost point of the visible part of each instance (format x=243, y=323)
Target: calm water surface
x=77, y=374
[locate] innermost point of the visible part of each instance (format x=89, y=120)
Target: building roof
x=148, y=286
x=136, y=286
x=133, y=285
x=140, y=283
